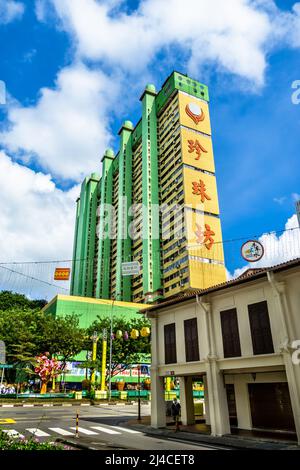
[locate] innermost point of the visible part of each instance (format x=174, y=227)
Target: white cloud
x=40, y=10
x=278, y=249
x=232, y=34
x=10, y=11
x=279, y=200
x=36, y=218
x=37, y=223
x=67, y=130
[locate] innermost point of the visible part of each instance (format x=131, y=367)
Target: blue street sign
x=145, y=370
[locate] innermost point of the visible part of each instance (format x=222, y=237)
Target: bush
x=10, y=443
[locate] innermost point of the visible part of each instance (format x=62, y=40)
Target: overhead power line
x=33, y=278
x=271, y=232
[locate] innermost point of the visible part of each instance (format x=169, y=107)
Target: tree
x=28, y=333
x=47, y=369
x=62, y=336
x=9, y=300
x=125, y=352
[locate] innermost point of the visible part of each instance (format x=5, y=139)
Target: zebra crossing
x=70, y=431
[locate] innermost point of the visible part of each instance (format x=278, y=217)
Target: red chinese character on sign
x=200, y=190
x=206, y=236
x=195, y=145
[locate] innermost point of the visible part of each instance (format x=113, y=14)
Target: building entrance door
x=231, y=404
x=271, y=406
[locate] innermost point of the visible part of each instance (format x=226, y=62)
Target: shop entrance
x=271, y=406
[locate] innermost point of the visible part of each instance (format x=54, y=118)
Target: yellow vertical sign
x=194, y=113
x=200, y=191
x=204, y=236
x=197, y=150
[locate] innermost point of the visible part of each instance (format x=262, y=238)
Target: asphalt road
x=99, y=426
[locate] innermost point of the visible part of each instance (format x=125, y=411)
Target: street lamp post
x=139, y=390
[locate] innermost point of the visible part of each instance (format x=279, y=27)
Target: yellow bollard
x=77, y=425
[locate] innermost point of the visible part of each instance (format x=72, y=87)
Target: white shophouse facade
x=238, y=337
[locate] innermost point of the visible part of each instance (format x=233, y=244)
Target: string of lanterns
x=134, y=334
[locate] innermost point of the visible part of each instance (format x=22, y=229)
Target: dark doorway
x=231, y=404
x=271, y=406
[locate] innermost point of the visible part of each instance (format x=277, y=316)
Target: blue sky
x=74, y=70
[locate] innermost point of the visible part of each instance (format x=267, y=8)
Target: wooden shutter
x=230, y=333
x=260, y=328
x=170, y=344
x=191, y=340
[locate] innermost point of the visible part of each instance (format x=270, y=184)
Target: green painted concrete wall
x=89, y=311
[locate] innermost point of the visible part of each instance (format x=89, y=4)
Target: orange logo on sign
x=62, y=274
x=205, y=236
x=200, y=190
x=194, y=111
x=195, y=145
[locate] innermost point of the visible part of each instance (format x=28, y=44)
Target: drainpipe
x=280, y=293
x=205, y=306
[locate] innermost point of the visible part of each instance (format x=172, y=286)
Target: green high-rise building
x=165, y=160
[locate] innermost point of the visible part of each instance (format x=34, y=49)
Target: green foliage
x=9, y=443
x=9, y=300
x=124, y=352
x=28, y=333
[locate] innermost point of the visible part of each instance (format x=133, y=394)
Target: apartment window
x=230, y=333
x=170, y=344
x=191, y=340
x=260, y=328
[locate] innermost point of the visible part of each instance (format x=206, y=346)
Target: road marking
x=61, y=431
x=12, y=433
x=7, y=421
x=131, y=431
x=28, y=406
x=47, y=404
x=85, y=431
x=85, y=404
x=37, y=432
x=7, y=406
x=107, y=430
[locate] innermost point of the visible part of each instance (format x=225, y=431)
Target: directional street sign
x=131, y=269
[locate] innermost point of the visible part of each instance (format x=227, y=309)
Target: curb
x=81, y=446
x=47, y=405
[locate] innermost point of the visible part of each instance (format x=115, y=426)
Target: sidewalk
x=187, y=433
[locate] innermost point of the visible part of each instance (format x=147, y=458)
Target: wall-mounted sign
x=195, y=112
x=62, y=274
x=131, y=269
x=252, y=251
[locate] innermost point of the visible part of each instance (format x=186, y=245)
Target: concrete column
x=158, y=406
x=242, y=402
x=206, y=401
x=218, y=407
x=293, y=379
x=186, y=400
